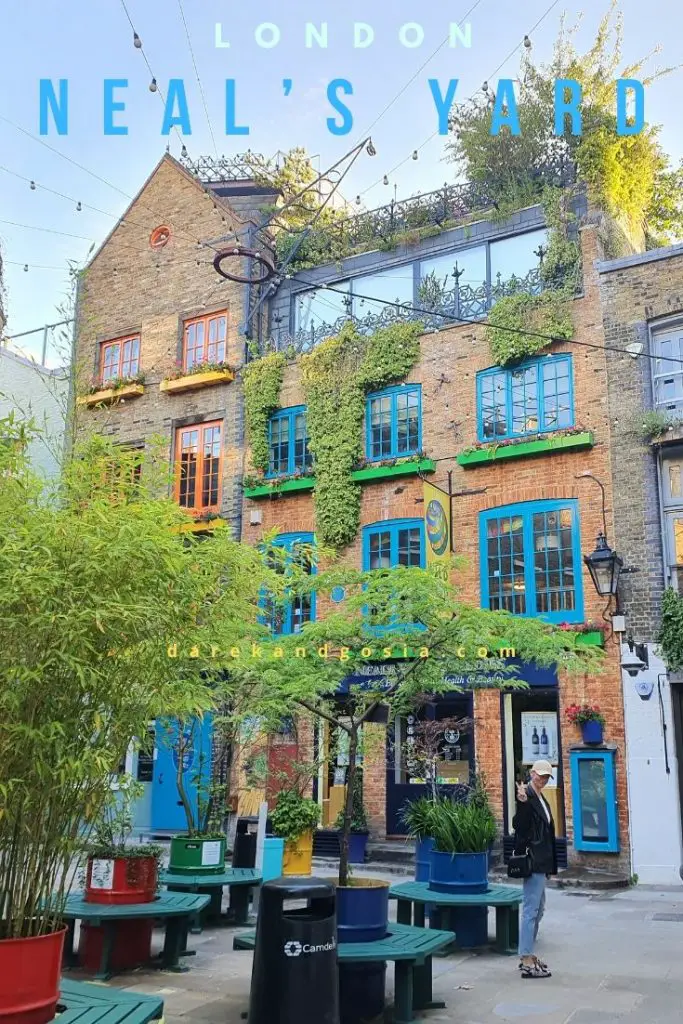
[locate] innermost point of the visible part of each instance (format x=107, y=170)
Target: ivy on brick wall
x=337, y=376
x=514, y=315
x=262, y=384
x=670, y=636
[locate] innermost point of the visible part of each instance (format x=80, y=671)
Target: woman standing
x=535, y=833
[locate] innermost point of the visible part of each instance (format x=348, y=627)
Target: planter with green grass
x=462, y=834
x=416, y=816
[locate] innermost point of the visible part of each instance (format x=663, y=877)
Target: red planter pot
x=132, y=945
x=29, y=978
x=121, y=880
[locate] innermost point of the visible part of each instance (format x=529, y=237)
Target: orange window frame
x=118, y=362
x=202, y=477
x=205, y=339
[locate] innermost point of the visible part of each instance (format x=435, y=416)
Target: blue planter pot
x=458, y=873
x=591, y=732
x=273, y=852
x=357, y=844
x=423, y=849
x=362, y=912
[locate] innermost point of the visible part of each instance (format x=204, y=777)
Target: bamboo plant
x=96, y=582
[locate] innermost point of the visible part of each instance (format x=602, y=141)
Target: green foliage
x=627, y=175
x=432, y=291
x=655, y=423
x=561, y=263
x=294, y=815
x=664, y=218
x=416, y=815
x=462, y=827
x=95, y=585
x=336, y=377
x=670, y=637
x=262, y=383
x=546, y=314
x=359, y=819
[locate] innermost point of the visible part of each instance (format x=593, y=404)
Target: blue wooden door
x=168, y=814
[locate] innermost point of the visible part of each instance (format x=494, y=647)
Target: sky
x=86, y=41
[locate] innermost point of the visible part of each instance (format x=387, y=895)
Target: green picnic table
x=410, y=948
x=413, y=896
x=175, y=909
x=240, y=882
x=82, y=1003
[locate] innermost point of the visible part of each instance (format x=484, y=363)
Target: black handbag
x=519, y=865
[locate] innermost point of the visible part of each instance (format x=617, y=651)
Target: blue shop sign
x=492, y=673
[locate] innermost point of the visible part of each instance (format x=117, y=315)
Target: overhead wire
x=199, y=81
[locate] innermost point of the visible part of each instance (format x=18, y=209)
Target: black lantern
x=605, y=567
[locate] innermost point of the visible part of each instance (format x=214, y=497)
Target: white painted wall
x=33, y=391
x=656, y=847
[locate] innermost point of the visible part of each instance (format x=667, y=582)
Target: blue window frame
x=530, y=560
x=288, y=442
x=393, y=543
x=393, y=422
x=531, y=398
x=288, y=616
x=594, y=800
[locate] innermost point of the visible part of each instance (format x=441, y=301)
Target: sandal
x=538, y=960
x=535, y=970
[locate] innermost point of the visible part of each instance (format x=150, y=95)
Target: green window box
x=523, y=449
x=365, y=475
x=306, y=483
x=593, y=639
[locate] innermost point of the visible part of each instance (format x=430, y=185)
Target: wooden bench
x=410, y=948
x=413, y=896
x=81, y=1003
x=240, y=882
x=176, y=911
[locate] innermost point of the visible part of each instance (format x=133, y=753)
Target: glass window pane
x=507, y=586
x=593, y=789
x=379, y=550
x=319, y=306
x=279, y=444
x=493, y=406
x=393, y=286
x=471, y=263
x=554, y=562
x=675, y=480
x=516, y=256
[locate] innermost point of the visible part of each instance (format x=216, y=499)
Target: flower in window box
x=578, y=714
x=114, y=383
x=179, y=370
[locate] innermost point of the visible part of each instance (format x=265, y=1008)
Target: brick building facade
x=447, y=377
x=642, y=303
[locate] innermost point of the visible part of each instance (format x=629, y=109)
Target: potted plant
x=201, y=850
x=590, y=719
x=358, y=836
x=117, y=872
x=416, y=816
x=83, y=670
x=294, y=818
x=462, y=835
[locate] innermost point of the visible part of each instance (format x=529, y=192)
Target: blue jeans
x=533, y=906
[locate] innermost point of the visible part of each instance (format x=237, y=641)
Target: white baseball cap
x=543, y=768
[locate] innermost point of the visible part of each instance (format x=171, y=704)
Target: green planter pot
x=197, y=856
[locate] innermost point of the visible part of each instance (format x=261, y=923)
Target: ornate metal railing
x=462, y=302
x=241, y=167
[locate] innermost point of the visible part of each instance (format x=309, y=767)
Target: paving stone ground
x=616, y=958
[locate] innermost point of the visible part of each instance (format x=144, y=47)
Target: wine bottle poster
x=539, y=736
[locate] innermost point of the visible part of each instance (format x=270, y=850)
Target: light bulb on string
x=79, y=207
x=370, y=149
x=25, y=268
x=357, y=200
x=153, y=85
x=415, y=154
x=385, y=180
x=33, y=186
x=137, y=42
x=183, y=151
x=527, y=43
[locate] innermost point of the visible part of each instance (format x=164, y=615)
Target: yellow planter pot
x=196, y=380
x=298, y=857
x=109, y=395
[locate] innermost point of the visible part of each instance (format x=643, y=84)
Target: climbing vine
x=262, y=383
x=336, y=377
x=546, y=314
x=670, y=636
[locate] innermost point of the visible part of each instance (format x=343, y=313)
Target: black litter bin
x=244, y=850
x=295, y=979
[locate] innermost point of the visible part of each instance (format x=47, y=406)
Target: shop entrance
x=531, y=732
x=406, y=772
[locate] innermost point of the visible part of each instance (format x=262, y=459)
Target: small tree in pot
x=360, y=830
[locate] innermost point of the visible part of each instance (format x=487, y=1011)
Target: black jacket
x=534, y=833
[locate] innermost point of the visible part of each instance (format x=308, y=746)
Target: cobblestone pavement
x=615, y=957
